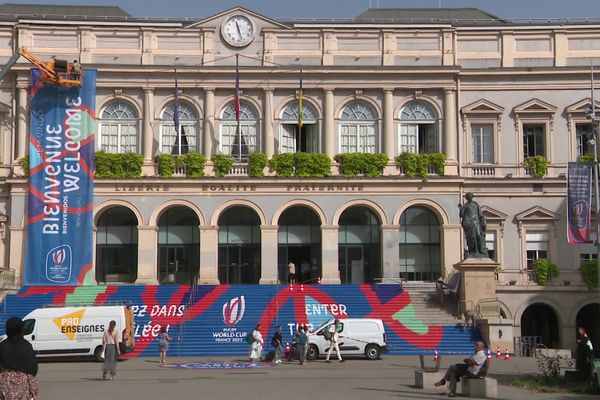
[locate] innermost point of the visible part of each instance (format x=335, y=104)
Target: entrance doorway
x=178, y=246
x=299, y=240
x=359, y=248
x=541, y=320
x=239, y=246
x=352, y=264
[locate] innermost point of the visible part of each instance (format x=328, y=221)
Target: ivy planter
x=126, y=165
x=544, y=271
x=413, y=164
x=367, y=164
x=222, y=164
x=537, y=164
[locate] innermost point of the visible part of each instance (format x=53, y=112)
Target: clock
x=238, y=30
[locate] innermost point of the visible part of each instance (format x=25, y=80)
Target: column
x=147, y=255
x=388, y=123
x=148, y=135
x=268, y=254
x=269, y=138
x=209, y=256
x=3, y=240
x=17, y=251
x=508, y=49
x=22, y=120
x=450, y=133
x=328, y=128
x=208, y=133
x=329, y=254
x=390, y=239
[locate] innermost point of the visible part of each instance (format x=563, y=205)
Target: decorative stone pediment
x=215, y=20
x=534, y=106
x=582, y=107
x=537, y=214
x=482, y=107
x=493, y=215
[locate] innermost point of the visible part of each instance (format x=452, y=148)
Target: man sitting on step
x=471, y=367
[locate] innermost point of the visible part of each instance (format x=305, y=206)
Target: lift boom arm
x=49, y=69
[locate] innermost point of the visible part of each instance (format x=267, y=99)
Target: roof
x=10, y=10
x=454, y=16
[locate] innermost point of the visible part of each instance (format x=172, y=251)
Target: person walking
x=471, y=367
x=257, y=345
x=301, y=340
x=163, y=344
x=307, y=344
x=18, y=366
x=277, y=343
x=110, y=340
x=334, y=337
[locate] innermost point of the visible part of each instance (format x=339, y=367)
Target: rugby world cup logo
x=233, y=311
x=58, y=264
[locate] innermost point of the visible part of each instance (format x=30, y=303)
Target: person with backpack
x=257, y=345
x=333, y=333
x=277, y=343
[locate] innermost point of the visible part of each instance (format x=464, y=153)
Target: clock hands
x=237, y=25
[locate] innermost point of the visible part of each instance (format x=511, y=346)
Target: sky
x=301, y=9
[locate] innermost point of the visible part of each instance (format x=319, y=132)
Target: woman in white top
x=110, y=340
x=257, y=345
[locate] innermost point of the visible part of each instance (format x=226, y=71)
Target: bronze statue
x=474, y=226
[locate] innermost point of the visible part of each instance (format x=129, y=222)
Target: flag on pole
x=237, y=89
x=176, y=106
x=300, y=122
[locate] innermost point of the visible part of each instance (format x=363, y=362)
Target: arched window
x=420, y=258
x=118, y=127
x=295, y=138
x=239, y=144
x=418, y=128
x=187, y=138
x=358, y=128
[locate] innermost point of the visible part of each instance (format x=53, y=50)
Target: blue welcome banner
x=61, y=166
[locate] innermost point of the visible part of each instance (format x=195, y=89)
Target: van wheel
x=313, y=352
x=98, y=354
x=372, y=352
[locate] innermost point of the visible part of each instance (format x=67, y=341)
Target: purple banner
x=61, y=166
x=579, y=200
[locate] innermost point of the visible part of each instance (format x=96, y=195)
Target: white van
x=358, y=336
x=76, y=331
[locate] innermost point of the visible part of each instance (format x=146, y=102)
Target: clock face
x=238, y=30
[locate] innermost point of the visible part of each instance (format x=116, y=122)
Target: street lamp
x=591, y=115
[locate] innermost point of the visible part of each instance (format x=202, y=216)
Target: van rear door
x=29, y=332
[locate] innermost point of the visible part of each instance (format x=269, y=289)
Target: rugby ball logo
x=233, y=311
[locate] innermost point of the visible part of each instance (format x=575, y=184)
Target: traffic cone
x=436, y=355
x=498, y=353
x=507, y=356
x=291, y=287
x=287, y=349
x=489, y=354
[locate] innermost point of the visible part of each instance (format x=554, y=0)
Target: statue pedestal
x=478, y=281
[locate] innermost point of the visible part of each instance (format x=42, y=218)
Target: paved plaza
x=144, y=378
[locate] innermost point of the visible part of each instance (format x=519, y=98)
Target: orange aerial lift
x=54, y=72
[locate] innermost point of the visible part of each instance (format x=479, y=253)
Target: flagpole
x=300, y=122
x=237, y=99
x=595, y=132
